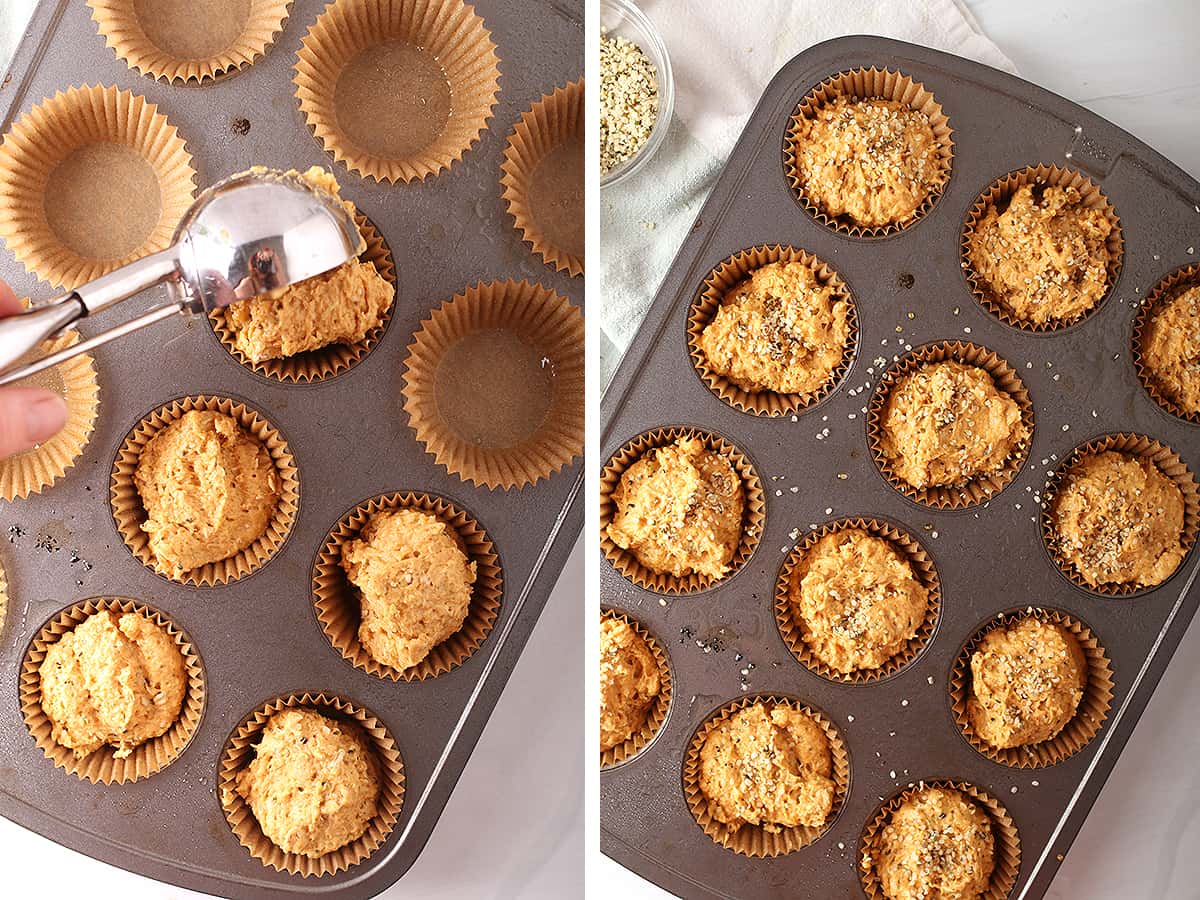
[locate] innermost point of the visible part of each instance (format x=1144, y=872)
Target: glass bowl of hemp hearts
x=637, y=93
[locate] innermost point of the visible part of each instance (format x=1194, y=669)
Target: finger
x=9, y=304
x=28, y=417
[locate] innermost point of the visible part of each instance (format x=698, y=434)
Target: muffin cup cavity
x=80, y=147
x=1077, y=733
x=708, y=302
x=129, y=514
x=156, y=48
x=239, y=752
x=615, y=756
x=74, y=380
x=500, y=319
x=1166, y=460
x=553, y=123
x=446, y=37
x=337, y=601
x=1164, y=292
x=333, y=359
x=753, y=517
x=867, y=84
x=998, y=195
x=980, y=489
x=102, y=766
x=791, y=625
x=754, y=840
x=1007, y=840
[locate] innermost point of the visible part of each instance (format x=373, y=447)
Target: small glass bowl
x=623, y=18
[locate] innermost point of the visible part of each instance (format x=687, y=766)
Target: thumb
x=29, y=416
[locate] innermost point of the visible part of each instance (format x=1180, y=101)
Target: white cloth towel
x=723, y=54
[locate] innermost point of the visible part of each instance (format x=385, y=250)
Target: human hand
x=28, y=416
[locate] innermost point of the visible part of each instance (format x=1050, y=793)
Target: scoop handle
x=23, y=333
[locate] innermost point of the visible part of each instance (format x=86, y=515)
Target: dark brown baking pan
x=259, y=637
x=816, y=466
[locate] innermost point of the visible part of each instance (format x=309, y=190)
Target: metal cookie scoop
x=249, y=234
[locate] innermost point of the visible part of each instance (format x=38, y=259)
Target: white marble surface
x=1135, y=64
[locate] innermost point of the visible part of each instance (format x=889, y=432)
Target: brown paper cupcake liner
x=551, y=122
x=56, y=130
x=1007, y=840
x=129, y=514
x=868, y=84
x=1078, y=733
x=977, y=490
x=334, y=359
x=1165, y=459
x=621, y=753
x=754, y=840
x=239, y=752
x=74, y=380
x=123, y=26
x=102, y=766
x=753, y=518
x=1164, y=292
x=337, y=601
x=541, y=319
x=449, y=31
x=791, y=626
x=999, y=194
x=704, y=308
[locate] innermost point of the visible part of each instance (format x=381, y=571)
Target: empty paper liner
x=74, y=380
x=657, y=713
x=755, y=840
x=1077, y=733
x=96, y=178
x=998, y=195
x=339, y=608
x=543, y=178
x=869, y=84
x=103, y=766
x=976, y=490
x=358, y=50
x=1004, y=833
x=704, y=308
x=1164, y=292
x=791, y=623
x=129, y=514
x=1165, y=460
x=185, y=40
x=333, y=359
x=493, y=384
x=240, y=750
x=753, y=517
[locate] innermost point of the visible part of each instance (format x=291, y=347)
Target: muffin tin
x=258, y=637
x=816, y=466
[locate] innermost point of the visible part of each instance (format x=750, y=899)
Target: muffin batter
x=1045, y=258
x=341, y=306
x=209, y=489
x=873, y=162
x=629, y=682
x=313, y=784
x=857, y=600
x=1171, y=349
x=1119, y=520
x=116, y=680
x=1026, y=683
x=947, y=423
x=938, y=846
x=780, y=329
x=768, y=766
x=414, y=582
x=679, y=510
